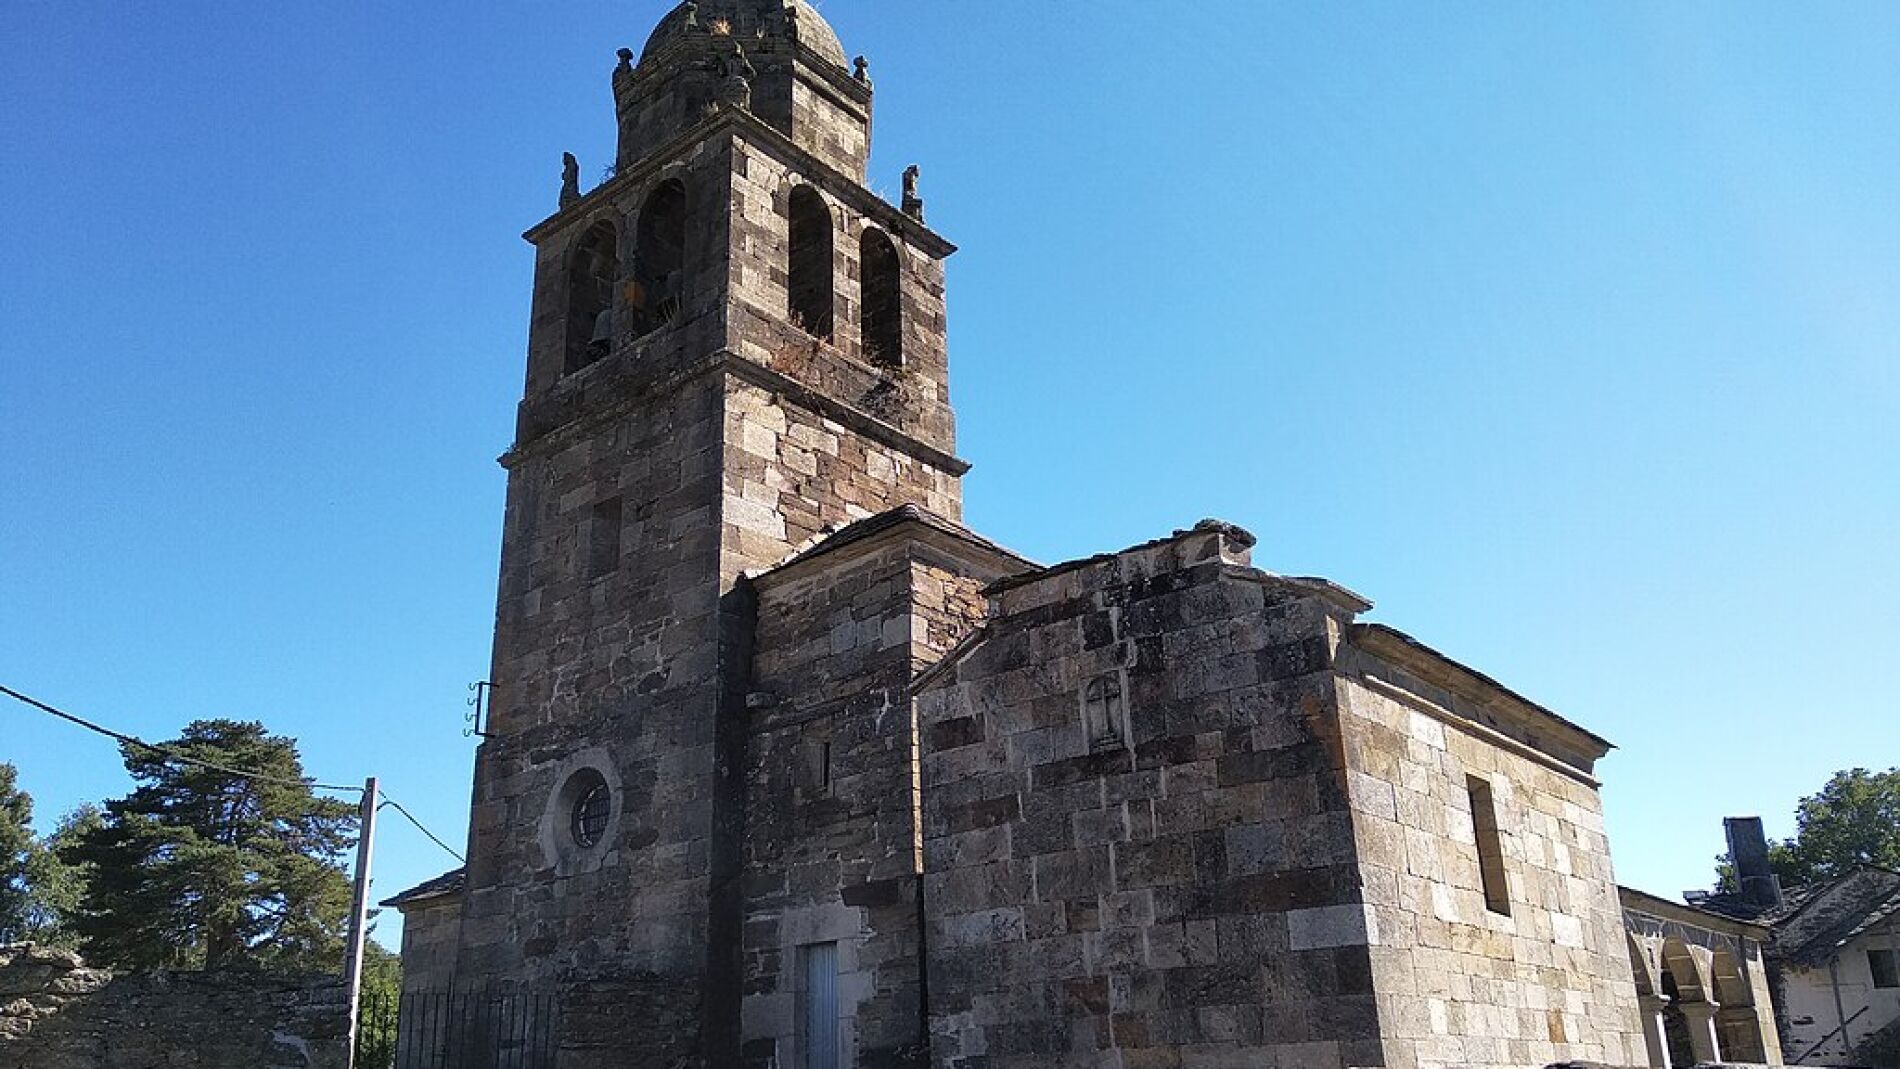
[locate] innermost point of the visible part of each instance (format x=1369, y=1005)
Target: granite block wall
x=832, y=846
x=1542, y=977
x=1172, y=883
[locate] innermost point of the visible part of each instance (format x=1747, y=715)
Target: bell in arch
x=603, y=330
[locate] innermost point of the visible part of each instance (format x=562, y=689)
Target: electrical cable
x=170, y=753
x=173, y=755
x=389, y=802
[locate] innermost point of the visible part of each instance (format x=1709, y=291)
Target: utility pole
x=359, y=911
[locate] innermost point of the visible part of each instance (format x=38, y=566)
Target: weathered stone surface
x=58, y=1014
x=759, y=696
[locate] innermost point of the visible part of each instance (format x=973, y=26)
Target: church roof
x=746, y=21
x=889, y=519
x=449, y=883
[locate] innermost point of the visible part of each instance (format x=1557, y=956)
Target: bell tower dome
x=797, y=78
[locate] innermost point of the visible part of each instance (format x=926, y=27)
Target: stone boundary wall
x=55, y=1013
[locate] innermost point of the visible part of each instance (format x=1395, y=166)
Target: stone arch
x=1688, y=970
x=880, y=299
x=1688, y=1016
x=810, y=262
x=657, y=291
x=1737, y=1025
x=1643, y=966
x=593, y=267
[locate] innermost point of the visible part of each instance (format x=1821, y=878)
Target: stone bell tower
x=735, y=346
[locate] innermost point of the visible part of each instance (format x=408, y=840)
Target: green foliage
x=1853, y=821
x=198, y=868
x=382, y=996
x=58, y=887
x=39, y=893
x=17, y=847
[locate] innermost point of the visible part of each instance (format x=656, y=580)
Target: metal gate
x=458, y=1030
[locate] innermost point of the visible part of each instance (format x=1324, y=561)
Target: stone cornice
x=1434, y=667
x=906, y=525
x=820, y=173
x=641, y=388
x=1635, y=901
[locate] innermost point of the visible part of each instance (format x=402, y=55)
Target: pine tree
x=17, y=847
x=199, y=868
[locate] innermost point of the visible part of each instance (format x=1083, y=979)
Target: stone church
x=786, y=767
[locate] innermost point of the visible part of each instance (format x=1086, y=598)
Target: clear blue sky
x=1569, y=334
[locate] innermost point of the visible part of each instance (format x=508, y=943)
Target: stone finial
x=861, y=70
x=1233, y=532
x=913, y=204
x=570, y=179
x=626, y=59
x=692, y=14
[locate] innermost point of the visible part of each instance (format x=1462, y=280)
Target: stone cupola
x=778, y=59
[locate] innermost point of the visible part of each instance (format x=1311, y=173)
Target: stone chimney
x=1748, y=852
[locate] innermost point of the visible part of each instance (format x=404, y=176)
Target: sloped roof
x=1835, y=914
x=859, y=531
x=449, y=883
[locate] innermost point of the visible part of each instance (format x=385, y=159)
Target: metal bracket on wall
x=478, y=703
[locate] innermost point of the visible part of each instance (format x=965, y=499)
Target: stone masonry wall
x=610, y=669
x=431, y=939
x=57, y=1014
x=831, y=848
x=1183, y=895
x=1459, y=983
x=831, y=837
x=915, y=399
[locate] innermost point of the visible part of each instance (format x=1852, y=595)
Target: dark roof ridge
x=449, y=883
x=837, y=537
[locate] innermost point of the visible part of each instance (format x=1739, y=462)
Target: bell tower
x=735, y=346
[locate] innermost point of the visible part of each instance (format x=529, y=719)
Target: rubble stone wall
x=57, y=1014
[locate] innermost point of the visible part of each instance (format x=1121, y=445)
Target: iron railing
x=457, y=1030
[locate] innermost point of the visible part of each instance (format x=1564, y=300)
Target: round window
x=593, y=804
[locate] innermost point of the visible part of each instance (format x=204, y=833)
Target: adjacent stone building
x=787, y=767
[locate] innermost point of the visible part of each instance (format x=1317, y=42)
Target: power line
x=185, y=758
x=170, y=753
x=389, y=803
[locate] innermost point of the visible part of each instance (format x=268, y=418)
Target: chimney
x=1748, y=852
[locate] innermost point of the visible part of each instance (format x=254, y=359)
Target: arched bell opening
x=657, y=291
x=592, y=267
x=881, y=300
x=809, y=285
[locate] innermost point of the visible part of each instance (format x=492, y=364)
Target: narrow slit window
x=1484, y=823
x=1102, y=710
x=603, y=538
